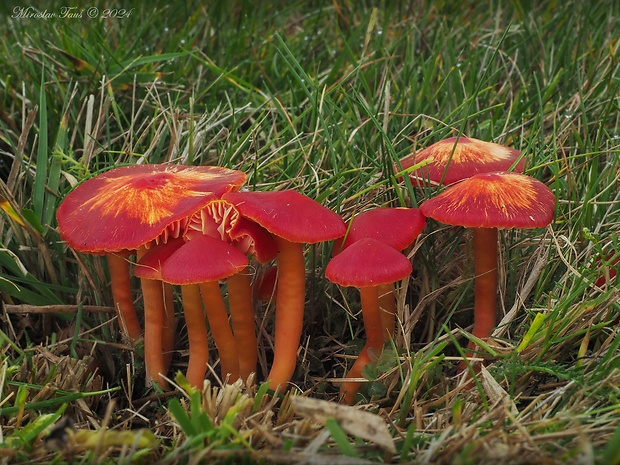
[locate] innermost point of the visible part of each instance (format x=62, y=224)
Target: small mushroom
x=197, y=265
x=485, y=203
x=126, y=210
x=221, y=220
x=366, y=264
x=457, y=158
x=397, y=227
x=293, y=219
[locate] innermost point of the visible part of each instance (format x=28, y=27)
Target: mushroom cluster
x=192, y=227
x=486, y=192
x=189, y=226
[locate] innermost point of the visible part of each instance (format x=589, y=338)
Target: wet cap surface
x=465, y=159
x=396, y=227
x=367, y=263
x=493, y=200
x=290, y=215
x=127, y=207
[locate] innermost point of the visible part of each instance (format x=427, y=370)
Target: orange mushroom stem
x=220, y=328
x=243, y=322
x=197, y=334
x=485, y=270
x=290, y=298
x=293, y=219
x=159, y=325
x=120, y=281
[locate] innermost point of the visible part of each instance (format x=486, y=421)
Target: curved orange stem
x=485, y=266
x=243, y=323
x=220, y=328
x=373, y=325
x=159, y=322
x=120, y=281
x=197, y=335
x=290, y=300
x=348, y=389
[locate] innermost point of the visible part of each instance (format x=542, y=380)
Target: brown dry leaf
x=364, y=425
x=495, y=393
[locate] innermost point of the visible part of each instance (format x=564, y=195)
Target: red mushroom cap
x=201, y=259
x=367, y=263
x=289, y=214
x=254, y=239
x=265, y=284
x=493, y=200
x=461, y=158
x=127, y=207
x=221, y=219
x=149, y=265
x=396, y=227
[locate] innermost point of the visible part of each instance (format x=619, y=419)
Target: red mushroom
x=395, y=227
x=293, y=219
x=215, y=229
x=457, y=158
x=221, y=220
x=367, y=264
x=607, y=267
x=130, y=208
x=197, y=265
x=488, y=202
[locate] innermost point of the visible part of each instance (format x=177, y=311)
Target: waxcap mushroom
x=397, y=227
x=289, y=215
x=493, y=200
x=197, y=265
x=293, y=219
x=221, y=220
x=488, y=202
x=367, y=263
x=457, y=158
x=127, y=207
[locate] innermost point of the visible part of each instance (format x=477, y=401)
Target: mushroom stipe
x=120, y=278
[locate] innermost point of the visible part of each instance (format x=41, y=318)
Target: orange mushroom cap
x=396, y=227
x=290, y=215
x=461, y=158
x=128, y=207
x=367, y=263
x=493, y=200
